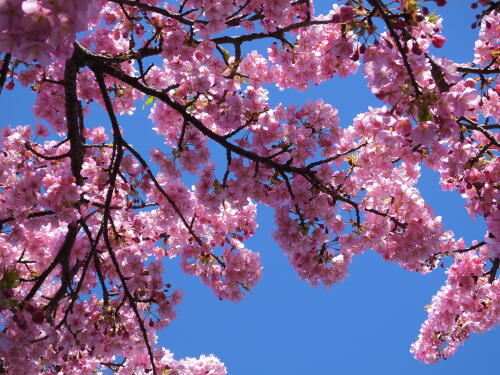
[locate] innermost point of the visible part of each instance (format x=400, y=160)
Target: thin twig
x=119, y=145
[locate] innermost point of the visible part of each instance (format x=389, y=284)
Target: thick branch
x=62, y=254
x=5, y=70
x=77, y=151
x=80, y=283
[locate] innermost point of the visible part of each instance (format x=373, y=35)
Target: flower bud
x=438, y=41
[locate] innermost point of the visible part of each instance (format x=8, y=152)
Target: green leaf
x=9, y=280
x=433, y=17
x=226, y=53
x=149, y=100
x=424, y=114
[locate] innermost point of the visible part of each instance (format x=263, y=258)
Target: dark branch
x=473, y=247
x=481, y=71
x=5, y=70
x=57, y=157
x=118, y=156
x=380, y=7
x=329, y=160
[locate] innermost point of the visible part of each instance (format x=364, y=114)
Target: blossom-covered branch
x=87, y=219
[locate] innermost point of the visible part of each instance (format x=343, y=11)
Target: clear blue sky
x=362, y=325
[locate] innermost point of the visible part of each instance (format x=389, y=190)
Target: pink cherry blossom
x=87, y=222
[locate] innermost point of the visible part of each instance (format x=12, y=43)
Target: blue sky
x=284, y=326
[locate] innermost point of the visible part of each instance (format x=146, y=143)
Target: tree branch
x=63, y=253
x=151, y=8
x=118, y=146
x=480, y=71
x=380, y=7
x=5, y=70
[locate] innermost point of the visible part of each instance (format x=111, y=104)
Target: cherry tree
x=87, y=221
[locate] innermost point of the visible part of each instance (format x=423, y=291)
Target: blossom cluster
x=87, y=222
x=42, y=30
x=468, y=303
